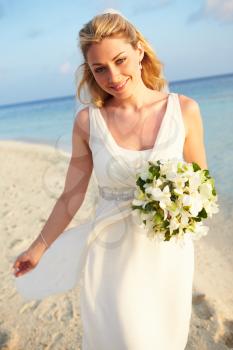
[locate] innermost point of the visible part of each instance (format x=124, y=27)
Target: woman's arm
x=194, y=146
x=76, y=183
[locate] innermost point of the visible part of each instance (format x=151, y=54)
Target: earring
x=140, y=64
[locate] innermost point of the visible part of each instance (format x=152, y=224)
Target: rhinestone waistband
x=118, y=194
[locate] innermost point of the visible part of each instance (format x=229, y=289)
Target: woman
x=136, y=294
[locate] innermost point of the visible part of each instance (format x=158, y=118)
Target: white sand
x=31, y=178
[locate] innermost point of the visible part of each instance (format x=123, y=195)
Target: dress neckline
x=105, y=126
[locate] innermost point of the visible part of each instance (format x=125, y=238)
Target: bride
x=135, y=294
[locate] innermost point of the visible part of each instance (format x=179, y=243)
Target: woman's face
x=115, y=66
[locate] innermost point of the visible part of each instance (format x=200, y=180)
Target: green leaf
x=175, y=232
x=149, y=181
x=167, y=236
x=157, y=218
x=160, y=210
x=141, y=183
x=202, y=213
x=206, y=172
x=149, y=207
x=196, y=167
x=155, y=171
x=136, y=206
x=173, y=197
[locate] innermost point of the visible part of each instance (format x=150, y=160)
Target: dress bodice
x=115, y=166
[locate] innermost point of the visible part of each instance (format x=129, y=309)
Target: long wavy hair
x=109, y=25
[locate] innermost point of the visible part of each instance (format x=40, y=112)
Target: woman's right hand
x=28, y=260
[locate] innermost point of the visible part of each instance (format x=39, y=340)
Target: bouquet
x=172, y=198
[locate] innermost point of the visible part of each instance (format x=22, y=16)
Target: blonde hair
x=108, y=25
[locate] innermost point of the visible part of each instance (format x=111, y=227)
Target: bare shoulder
x=194, y=145
x=188, y=104
x=82, y=124
x=191, y=112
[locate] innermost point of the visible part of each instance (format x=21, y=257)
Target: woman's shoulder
x=82, y=123
x=190, y=112
x=187, y=103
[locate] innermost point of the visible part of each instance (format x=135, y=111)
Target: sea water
x=51, y=122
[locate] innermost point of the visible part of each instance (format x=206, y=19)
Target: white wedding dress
x=136, y=294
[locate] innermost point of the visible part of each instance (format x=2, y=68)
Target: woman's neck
x=140, y=97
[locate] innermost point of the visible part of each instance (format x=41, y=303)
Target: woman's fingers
x=24, y=266
x=16, y=263
x=25, y=262
x=19, y=259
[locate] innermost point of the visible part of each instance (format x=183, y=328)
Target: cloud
x=65, y=68
x=219, y=10
x=143, y=7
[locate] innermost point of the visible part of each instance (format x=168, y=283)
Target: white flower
x=165, y=211
x=157, y=182
x=174, y=208
x=139, y=194
x=136, y=216
x=174, y=224
x=162, y=196
x=211, y=208
x=194, y=202
x=193, y=191
x=184, y=218
x=206, y=190
x=194, y=181
x=138, y=202
x=179, y=186
x=144, y=172
x=200, y=230
x=169, y=169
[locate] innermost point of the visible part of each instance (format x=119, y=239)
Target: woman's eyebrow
x=98, y=64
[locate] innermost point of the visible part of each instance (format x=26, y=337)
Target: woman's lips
x=120, y=86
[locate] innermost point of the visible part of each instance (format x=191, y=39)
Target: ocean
x=50, y=122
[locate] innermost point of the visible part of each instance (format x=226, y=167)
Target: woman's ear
x=140, y=50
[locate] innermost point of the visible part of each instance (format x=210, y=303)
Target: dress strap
x=91, y=125
x=178, y=112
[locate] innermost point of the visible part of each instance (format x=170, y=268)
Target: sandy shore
x=32, y=177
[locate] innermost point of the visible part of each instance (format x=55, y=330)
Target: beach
x=32, y=177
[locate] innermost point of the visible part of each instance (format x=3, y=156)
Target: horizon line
x=73, y=96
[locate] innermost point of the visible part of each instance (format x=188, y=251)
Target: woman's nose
x=113, y=75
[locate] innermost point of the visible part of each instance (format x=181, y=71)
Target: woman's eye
x=99, y=70
x=102, y=69
x=121, y=60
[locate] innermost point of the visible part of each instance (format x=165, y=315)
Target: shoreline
x=224, y=200
x=66, y=149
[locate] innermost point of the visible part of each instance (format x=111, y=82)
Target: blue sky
x=39, y=52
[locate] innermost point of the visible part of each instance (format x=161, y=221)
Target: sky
x=39, y=47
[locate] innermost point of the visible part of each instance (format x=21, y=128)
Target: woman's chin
x=123, y=94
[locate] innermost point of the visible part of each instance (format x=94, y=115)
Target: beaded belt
x=118, y=194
